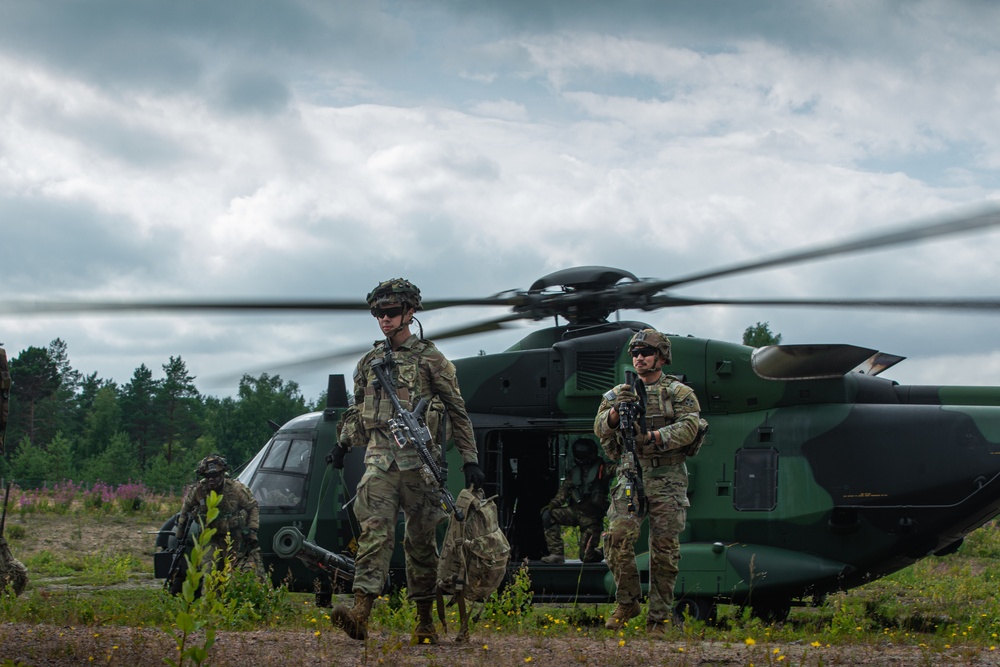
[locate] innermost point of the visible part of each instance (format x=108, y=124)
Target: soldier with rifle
x=236, y=526
x=648, y=426
x=407, y=404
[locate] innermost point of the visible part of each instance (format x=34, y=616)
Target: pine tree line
x=65, y=425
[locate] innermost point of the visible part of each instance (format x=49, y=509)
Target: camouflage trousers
x=242, y=561
x=667, y=502
x=13, y=574
x=381, y=495
x=590, y=523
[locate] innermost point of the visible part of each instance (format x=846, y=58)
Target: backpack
x=474, y=556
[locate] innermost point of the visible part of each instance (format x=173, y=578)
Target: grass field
x=92, y=599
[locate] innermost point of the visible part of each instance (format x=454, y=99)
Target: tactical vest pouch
x=699, y=440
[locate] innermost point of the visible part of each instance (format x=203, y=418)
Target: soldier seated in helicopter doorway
x=582, y=501
x=238, y=519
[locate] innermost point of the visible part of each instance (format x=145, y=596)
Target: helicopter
x=816, y=475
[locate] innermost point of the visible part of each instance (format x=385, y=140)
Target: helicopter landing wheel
x=697, y=609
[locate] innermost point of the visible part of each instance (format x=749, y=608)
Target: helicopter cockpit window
x=280, y=480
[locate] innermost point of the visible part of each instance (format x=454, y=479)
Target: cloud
x=309, y=150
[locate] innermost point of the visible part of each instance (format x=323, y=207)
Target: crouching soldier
x=582, y=501
x=238, y=519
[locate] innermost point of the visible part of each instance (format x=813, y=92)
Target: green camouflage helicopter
x=817, y=475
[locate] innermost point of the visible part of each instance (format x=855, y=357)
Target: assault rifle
x=409, y=428
x=630, y=414
x=176, y=572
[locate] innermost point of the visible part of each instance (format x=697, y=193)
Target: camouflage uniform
x=672, y=410
x=393, y=478
x=581, y=501
x=238, y=517
x=13, y=573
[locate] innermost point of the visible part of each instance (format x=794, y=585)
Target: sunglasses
x=391, y=312
x=643, y=352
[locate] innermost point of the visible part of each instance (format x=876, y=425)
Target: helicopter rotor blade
x=937, y=227
x=969, y=304
x=35, y=307
x=356, y=351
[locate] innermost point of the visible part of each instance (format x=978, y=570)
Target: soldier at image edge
x=392, y=480
x=13, y=573
x=672, y=426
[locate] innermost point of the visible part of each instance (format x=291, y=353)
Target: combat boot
x=659, y=629
x=354, y=621
x=622, y=613
x=424, y=633
x=554, y=559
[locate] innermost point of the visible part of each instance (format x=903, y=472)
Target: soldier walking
x=392, y=480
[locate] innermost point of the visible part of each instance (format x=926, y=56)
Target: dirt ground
x=114, y=536
x=48, y=645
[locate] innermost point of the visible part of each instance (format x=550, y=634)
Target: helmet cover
x=396, y=291
x=212, y=464
x=584, y=450
x=654, y=339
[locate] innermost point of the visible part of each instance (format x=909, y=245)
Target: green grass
x=937, y=604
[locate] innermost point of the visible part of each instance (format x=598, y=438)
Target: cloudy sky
x=306, y=150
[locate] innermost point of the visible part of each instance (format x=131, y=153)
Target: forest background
x=66, y=425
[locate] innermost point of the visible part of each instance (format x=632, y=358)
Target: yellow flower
x=680, y=648
x=528, y=659
x=621, y=642
x=316, y=634
x=776, y=651
x=815, y=644
x=486, y=647
x=750, y=641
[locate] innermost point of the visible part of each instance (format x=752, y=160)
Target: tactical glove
x=474, y=476
x=252, y=539
x=336, y=457
x=627, y=395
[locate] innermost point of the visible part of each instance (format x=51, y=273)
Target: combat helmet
x=584, y=450
x=211, y=464
x=395, y=291
x=652, y=338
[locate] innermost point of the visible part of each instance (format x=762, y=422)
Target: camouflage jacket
x=421, y=371
x=671, y=408
x=237, y=508
x=586, y=486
